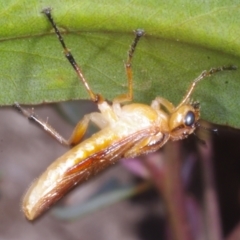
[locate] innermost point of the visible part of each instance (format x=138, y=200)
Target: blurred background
x=26, y=151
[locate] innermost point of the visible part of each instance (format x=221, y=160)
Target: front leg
x=148, y=144
x=158, y=101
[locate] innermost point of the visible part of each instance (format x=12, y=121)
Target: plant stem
x=169, y=184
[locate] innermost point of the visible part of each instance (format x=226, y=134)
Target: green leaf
x=182, y=39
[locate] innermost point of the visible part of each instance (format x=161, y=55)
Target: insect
x=125, y=131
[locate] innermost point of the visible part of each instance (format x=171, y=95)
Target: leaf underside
x=181, y=41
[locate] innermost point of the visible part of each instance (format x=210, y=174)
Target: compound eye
x=189, y=119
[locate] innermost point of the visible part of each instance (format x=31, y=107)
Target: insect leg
x=128, y=66
x=202, y=76
x=44, y=125
x=78, y=132
x=158, y=101
x=147, y=145
x=97, y=98
x=81, y=128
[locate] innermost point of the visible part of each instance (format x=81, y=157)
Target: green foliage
x=182, y=39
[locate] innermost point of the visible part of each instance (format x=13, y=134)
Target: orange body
x=127, y=131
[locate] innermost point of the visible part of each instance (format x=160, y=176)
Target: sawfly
x=126, y=130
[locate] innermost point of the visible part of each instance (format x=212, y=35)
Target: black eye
x=189, y=119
